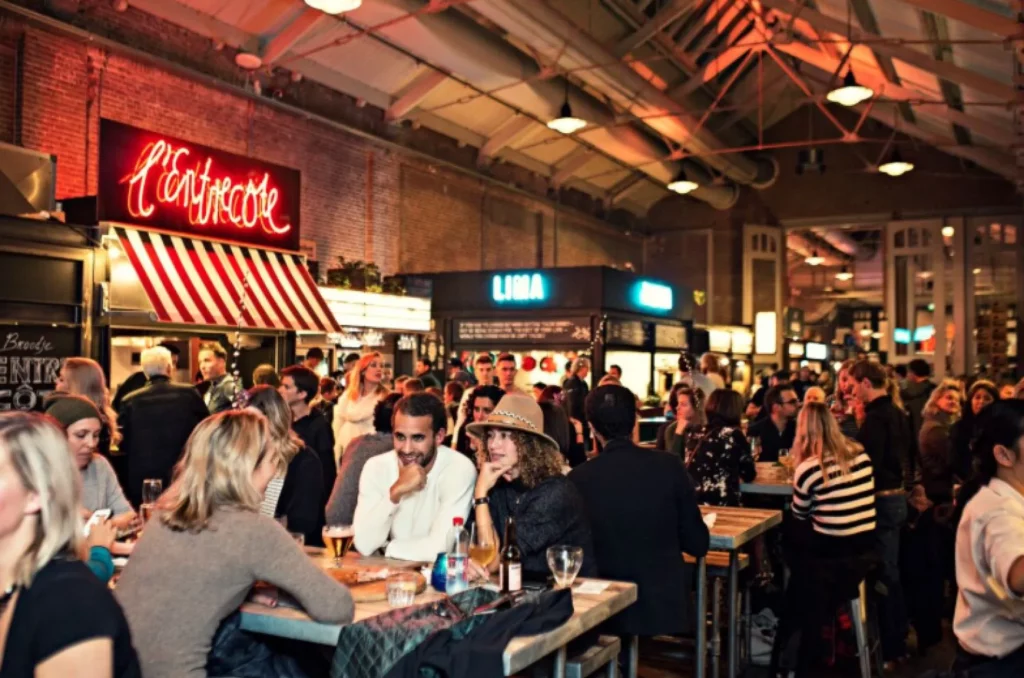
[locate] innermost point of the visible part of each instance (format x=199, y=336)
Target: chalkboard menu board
x=625, y=332
x=541, y=330
x=670, y=336
x=30, y=360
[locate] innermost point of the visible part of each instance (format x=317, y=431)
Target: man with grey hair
x=156, y=421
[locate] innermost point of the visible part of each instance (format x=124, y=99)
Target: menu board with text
x=541, y=330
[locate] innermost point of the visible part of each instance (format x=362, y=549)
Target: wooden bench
x=603, y=654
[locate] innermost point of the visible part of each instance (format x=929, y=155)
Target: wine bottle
x=511, y=570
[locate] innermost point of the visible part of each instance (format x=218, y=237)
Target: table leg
x=734, y=585
x=716, y=628
x=632, y=655
x=701, y=649
x=558, y=671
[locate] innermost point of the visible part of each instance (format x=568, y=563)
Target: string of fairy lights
x=240, y=395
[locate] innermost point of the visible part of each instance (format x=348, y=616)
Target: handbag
x=370, y=648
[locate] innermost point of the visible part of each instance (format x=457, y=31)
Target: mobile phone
x=96, y=518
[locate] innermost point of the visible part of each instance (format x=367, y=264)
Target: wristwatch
x=481, y=501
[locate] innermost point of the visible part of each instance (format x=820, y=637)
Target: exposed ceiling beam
x=568, y=166
x=714, y=68
x=706, y=15
x=951, y=72
x=866, y=17
x=504, y=135
x=621, y=189
x=970, y=14
x=872, y=78
x=418, y=90
x=273, y=48
x=728, y=16
x=666, y=15
x=935, y=28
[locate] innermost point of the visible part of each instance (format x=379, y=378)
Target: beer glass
x=482, y=548
x=151, y=490
x=338, y=540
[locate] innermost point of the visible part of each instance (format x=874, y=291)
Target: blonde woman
x=830, y=547
x=208, y=545
x=56, y=618
x=297, y=495
x=935, y=441
x=353, y=413
x=84, y=377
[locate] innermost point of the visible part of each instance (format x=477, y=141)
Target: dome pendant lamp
x=851, y=92
x=566, y=122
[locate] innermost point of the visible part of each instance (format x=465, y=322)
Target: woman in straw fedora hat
x=521, y=476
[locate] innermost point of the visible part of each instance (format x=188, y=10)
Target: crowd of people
x=888, y=478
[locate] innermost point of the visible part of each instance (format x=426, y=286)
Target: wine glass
x=482, y=548
x=565, y=563
x=786, y=459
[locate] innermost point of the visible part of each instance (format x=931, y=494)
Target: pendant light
x=844, y=274
x=895, y=166
x=334, y=6
x=681, y=184
x=851, y=92
x=814, y=259
x=566, y=122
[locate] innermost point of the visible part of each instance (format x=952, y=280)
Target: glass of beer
x=338, y=540
x=482, y=548
x=151, y=490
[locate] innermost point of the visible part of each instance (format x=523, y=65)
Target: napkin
x=709, y=520
x=592, y=587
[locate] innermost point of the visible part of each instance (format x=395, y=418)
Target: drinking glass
x=338, y=540
x=786, y=460
x=401, y=589
x=151, y=490
x=755, y=448
x=482, y=548
x=565, y=563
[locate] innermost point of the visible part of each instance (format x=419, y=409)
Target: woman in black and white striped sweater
x=830, y=546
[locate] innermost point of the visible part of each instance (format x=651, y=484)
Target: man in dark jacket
x=156, y=422
x=220, y=387
x=137, y=380
x=576, y=391
x=298, y=388
x=917, y=391
x=643, y=516
x=885, y=435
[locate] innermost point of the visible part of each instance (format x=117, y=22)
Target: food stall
x=198, y=245
x=546, y=317
x=393, y=324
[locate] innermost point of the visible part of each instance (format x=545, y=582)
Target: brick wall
x=359, y=199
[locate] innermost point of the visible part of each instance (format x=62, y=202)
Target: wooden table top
x=735, y=526
x=771, y=479
x=590, y=611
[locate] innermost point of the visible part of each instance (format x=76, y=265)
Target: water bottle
x=458, y=554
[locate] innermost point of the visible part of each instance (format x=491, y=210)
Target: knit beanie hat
x=72, y=408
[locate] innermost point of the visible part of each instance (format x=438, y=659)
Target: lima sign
x=518, y=288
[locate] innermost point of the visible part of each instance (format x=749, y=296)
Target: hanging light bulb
x=851, y=92
x=844, y=274
x=814, y=259
x=895, y=166
x=948, y=231
x=566, y=122
x=681, y=184
x=334, y=6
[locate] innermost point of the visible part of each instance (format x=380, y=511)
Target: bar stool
x=867, y=641
x=717, y=563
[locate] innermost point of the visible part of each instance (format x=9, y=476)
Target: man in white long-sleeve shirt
x=408, y=497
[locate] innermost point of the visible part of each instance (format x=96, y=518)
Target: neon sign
x=518, y=287
x=155, y=180
x=654, y=295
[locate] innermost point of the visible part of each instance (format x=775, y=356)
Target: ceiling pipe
x=549, y=32
x=806, y=246
x=842, y=242
x=455, y=44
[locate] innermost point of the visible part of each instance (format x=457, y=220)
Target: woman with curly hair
x=521, y=477
x=481, y=402
x=981, y=394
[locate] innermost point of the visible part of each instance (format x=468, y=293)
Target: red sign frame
x=154, y=180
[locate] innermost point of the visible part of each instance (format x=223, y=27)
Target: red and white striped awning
x=199, y=282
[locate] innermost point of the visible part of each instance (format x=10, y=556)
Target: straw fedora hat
x=514, y=412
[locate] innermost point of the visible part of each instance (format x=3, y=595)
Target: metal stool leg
x=748, y=635
x=631, y=645
x=702, y=619
x=858, y=613
x=716, y=636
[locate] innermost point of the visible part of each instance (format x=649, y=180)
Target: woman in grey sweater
x=207, y=546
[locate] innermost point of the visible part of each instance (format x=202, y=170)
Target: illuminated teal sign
x=652, y=295
x=518, y=288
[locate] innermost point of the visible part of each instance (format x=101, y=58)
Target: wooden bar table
x=772, y=479
x=734, y=527
x=590, y=611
